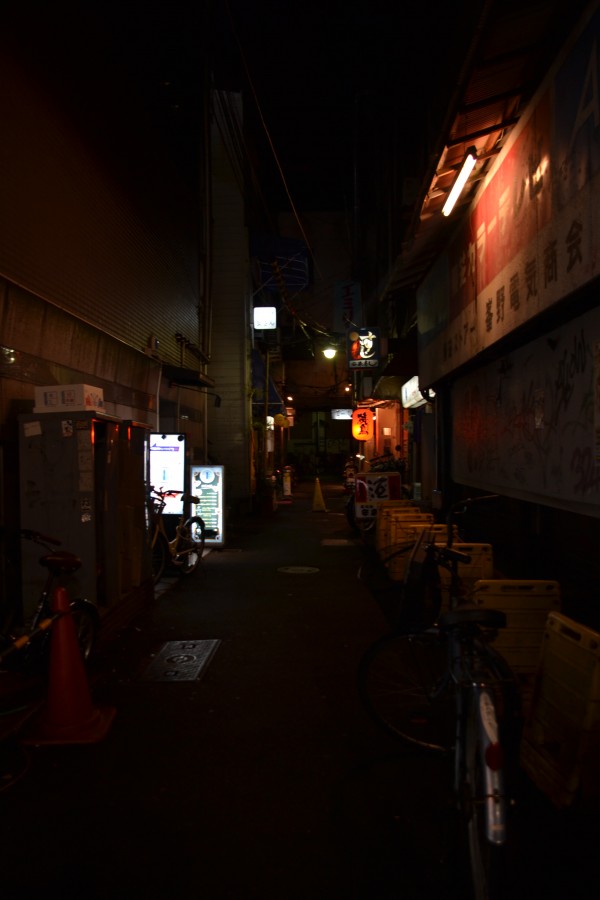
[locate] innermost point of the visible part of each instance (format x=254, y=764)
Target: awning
x=403, y=364
x=389, y=387
x=179, y=377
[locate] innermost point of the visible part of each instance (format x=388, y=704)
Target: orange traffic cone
x=318, y=501
x=68, y=717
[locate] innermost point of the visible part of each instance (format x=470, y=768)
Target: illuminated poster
x=167, y=467
x=207, y=483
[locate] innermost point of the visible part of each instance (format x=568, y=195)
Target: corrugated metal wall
x=69, y=233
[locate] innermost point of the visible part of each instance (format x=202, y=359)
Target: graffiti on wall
x=528, y=425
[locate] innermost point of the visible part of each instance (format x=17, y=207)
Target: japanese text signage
x=530, y=236
x=362, y=424
x=374, y=488
x=362, y=346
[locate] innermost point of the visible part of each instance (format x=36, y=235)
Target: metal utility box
x=70, y=489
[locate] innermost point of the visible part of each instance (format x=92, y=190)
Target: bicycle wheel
x=487, y=859
x=192, y=536
x=159, y=553
x=85, y=617
x=402, y=681
x=35, y=657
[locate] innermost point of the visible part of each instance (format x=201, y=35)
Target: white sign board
x=207, y=483
x=167, y=466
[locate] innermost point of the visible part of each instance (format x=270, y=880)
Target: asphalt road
x=261, y=777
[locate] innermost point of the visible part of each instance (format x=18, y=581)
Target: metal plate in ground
x=181, y=661
x=298, y=570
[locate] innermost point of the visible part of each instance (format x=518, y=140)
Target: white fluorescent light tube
x=467, y=168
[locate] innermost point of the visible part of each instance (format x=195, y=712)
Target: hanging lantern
x=362, y=424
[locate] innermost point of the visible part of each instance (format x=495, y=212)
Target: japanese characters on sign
x=529, y=237
x=362, y=345
x=373, y=488
x=362, y=424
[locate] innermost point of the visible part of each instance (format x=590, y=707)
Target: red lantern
x=362, y=424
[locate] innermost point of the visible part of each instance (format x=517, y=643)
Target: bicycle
x=185, y=549
x=437, y=683
x=33, y=638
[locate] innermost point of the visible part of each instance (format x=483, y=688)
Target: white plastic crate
x=403, y=538
x=527, y=604
x=406, y=538
x=480, y=567
x=385, y=513
x=561, y=739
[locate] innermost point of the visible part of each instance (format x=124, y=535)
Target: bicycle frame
x=60, y=565
x=173, y=543
x=438, y=683
x=474, y=697
x=185, y=548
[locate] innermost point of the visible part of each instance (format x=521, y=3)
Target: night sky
x=314, y=74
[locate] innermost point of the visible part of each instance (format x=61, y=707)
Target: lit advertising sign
x=167, y=467
x=207, y=483
x=412, y=396
x=372, y=489
x=265, y=318
x=362, y=348
x=362, y=424
x=341, y=413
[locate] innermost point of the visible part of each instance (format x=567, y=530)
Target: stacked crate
x=561, y=739
x=402, y=531
x=480, y=567
x=527, y=604
x=385, y=512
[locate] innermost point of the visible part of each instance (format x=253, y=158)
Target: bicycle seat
x=61, y=562
x=190, y=498
x=470, y=614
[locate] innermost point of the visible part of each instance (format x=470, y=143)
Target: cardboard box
x=68, y=398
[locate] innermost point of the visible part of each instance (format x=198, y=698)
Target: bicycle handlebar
x=463, y=505
x=471, y=500
x=39, y=538
x=445, y=554
x=186, y=498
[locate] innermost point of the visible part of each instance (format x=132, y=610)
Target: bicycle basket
x=155, y=506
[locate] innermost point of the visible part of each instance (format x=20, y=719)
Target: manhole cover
x=298, y=570
x=181, y=660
